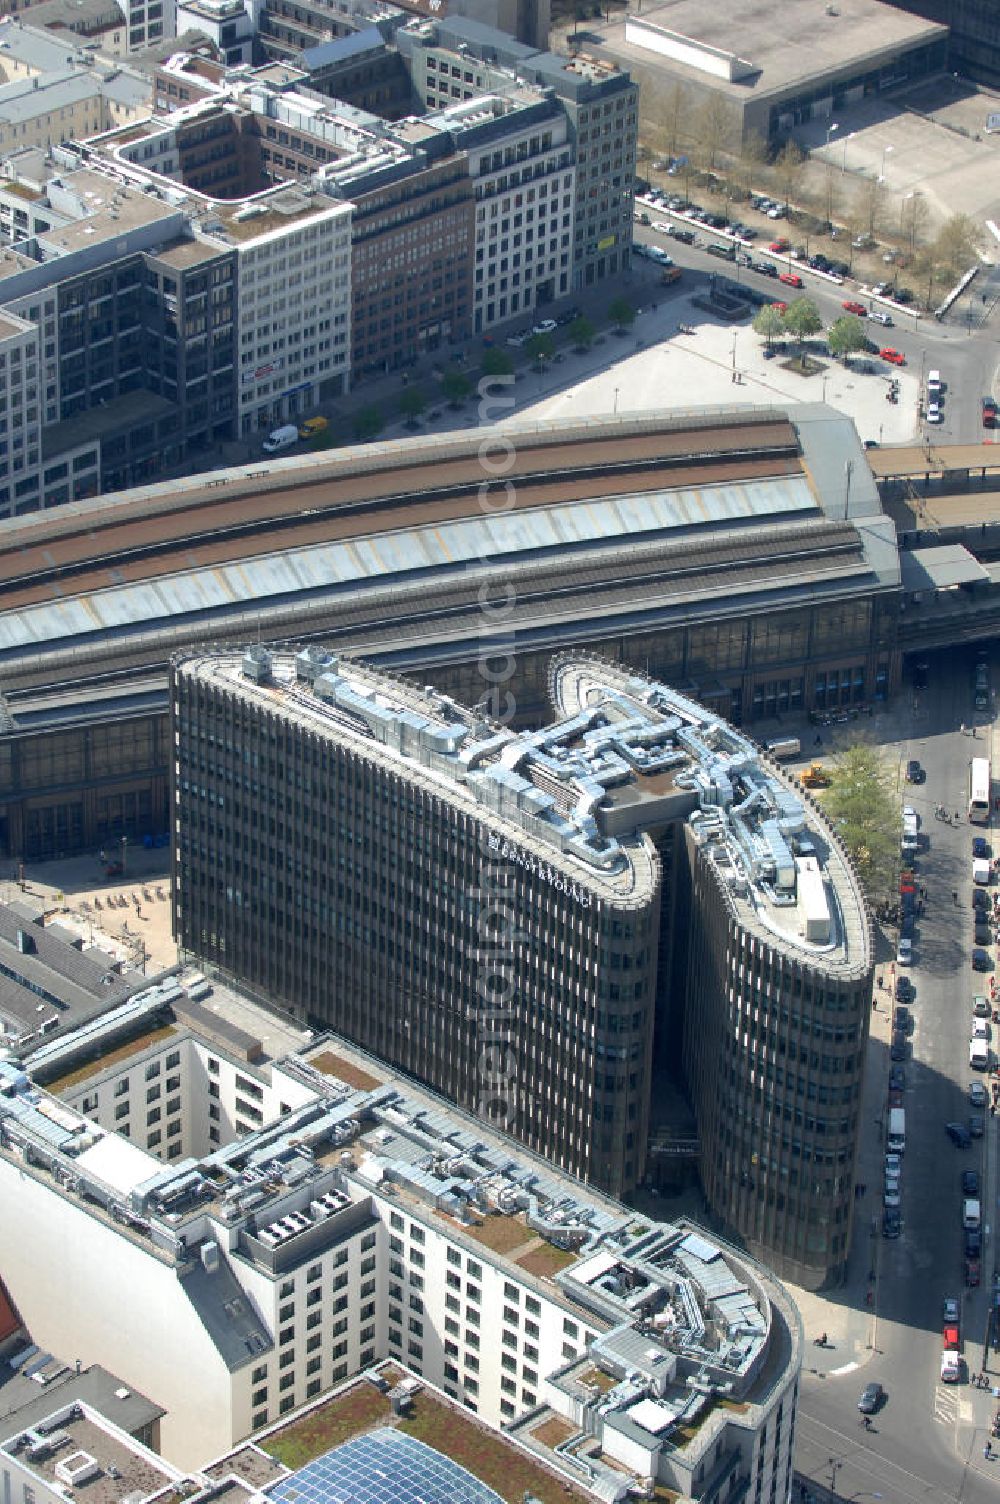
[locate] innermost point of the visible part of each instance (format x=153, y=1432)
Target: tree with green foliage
x=412, y=402
x=367, y=423
x=541, y=347
x=769, y=324
x=621, y=313
x=863, y=805
x=496, y=362
x=801, y=319
x=846, y=336
x=582, y=332
x=455, y=386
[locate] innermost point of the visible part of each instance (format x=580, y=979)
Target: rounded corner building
x=527, y=920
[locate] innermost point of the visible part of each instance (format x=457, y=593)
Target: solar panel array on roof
x=384, y=1467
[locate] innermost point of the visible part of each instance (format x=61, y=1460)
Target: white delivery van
x=896, y=1141
x=951, y=1367
x=933, y=383
x=911, y=838
x=971, y=1213
x=979, y=1055
x=981, y=871
x=281, y=438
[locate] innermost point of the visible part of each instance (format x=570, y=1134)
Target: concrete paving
x=929, y=140
x=681, y=372
x=125, y=915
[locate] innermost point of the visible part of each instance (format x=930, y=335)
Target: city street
x=968, y=360
x=928, y=1439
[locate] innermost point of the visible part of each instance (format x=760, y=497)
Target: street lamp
x=733, y=331
x=885, y=152
x=616, y=402
x=830, y=130
x=843, y=165
x=902, y=209
x=124, y=846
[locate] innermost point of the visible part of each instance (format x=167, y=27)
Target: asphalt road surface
x=927, y=1441
x=968, y=358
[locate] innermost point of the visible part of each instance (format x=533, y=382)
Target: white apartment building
x=361, y=1221
x=294, y=309
x=525, y=192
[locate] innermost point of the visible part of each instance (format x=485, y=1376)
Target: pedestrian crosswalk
x=946, y=1407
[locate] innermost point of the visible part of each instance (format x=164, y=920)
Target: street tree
x=846, y=336
x=957, y=244
x=713, y=127
x=831, y=193
x=802, y=318
x=541, y=347
x=864, y=808
x=871, y=205
x=496, y=362
x=913, y=219
x=769, y=324
x=930, y=271
x=367, y=423
x=455, y=386
x=675, y=109
x=753, y=157
x=412, y=402
x=621, y=313
x=582, y=332
x=788, y=168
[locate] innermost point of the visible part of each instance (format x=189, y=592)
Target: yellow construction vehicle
x=815, y=776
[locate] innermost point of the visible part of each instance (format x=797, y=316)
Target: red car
x=781, y=307
x=892, y=356
x=856, y=308
x=779, y=245
x=791, y=278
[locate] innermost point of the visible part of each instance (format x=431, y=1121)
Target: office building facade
x=389, y=865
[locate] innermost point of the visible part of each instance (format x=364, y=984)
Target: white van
x=979, y=1055
x=281, y=438
x=784, y=747
x=971, y=1213
x=981, y=871
x=933, y=383
x=951, y=1367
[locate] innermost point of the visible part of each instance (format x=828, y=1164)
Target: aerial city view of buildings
x=499, y=583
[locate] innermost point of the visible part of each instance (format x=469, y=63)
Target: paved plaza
x=682, y=372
